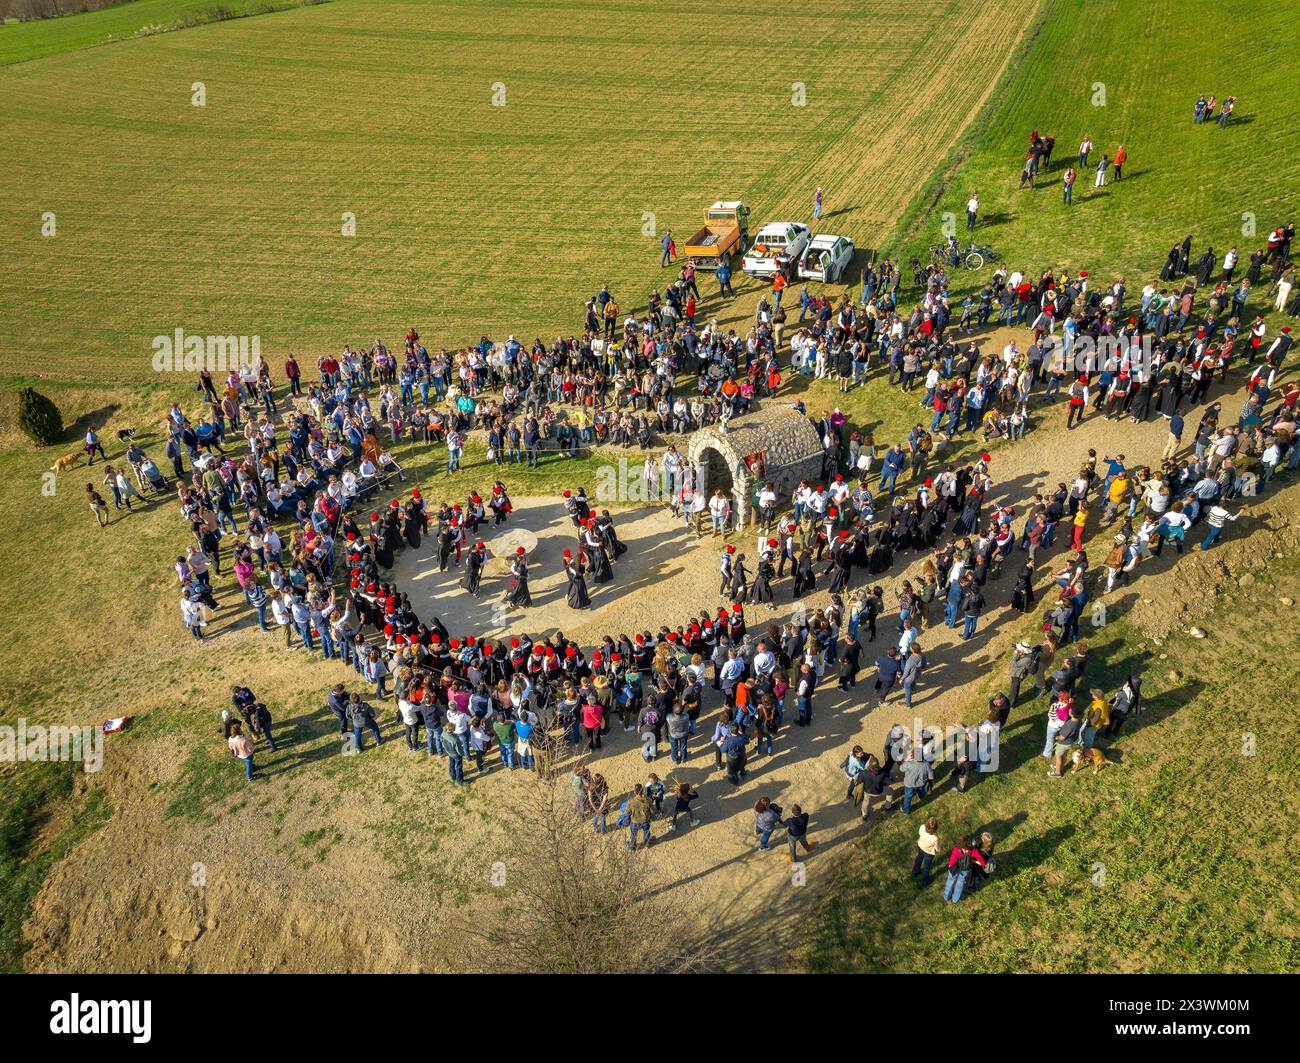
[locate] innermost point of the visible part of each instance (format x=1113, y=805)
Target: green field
x=470, y=218
x=473, y=218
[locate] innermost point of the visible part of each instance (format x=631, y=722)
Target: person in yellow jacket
x=1117, y=494
x=1095, y=719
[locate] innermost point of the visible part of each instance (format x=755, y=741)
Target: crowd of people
x=482, y=703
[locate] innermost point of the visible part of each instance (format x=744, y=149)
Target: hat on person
x=519, y=550
x=731, y=549
x=514, y=644
x=1022, y=647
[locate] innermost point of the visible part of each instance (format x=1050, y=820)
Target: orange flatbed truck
x=725, y=233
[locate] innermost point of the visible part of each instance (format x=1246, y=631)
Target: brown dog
x=67, y=461
x=1081, y=758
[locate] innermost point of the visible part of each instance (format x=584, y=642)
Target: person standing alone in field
x=817, y=204
x=667, y=243
x=972, y=211
x=1067, y=184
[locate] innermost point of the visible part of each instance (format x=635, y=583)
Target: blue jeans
x=805, y=710
x=678, y=749
x=248, y=767
x=888, y=477
x=763, y=836
x=598, y=823
x=455, y=765
x=950, y=613
x=453, y=461
x=433, y=740
x=304, y=633
x=953, y=888
x=969, y=628
x=1212, y=537
x=907, y=691
x=644, y=828
x=908, y=794
x=508, y=756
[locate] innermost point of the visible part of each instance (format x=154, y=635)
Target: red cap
x=436, y=639
x=735, y=607
x=569, y=651
x=374, y=516
x=388, y=629
x=537, y=651
x=731, y=549
x=455, y=644
x=469, y=640
x=672, y=636
x=514, y=644
x=566, y=494
x=519, y=550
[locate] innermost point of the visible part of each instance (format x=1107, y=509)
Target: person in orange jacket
x=1121, y=157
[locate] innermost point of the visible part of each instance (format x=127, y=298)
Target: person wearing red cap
x=474, y=561
x=519, y=595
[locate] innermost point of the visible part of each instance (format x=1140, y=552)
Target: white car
x=826, y=258
x=776, y=249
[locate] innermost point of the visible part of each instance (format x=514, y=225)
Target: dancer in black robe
x=841, y=561
x=411, y=524
x=474, y=568
x=739, y=579
x=762, y=591
x=1022, y=596
x=574, y=570
x=1170, y=270
x=1204, y=267
x=606, y=525
x=593, y=546
x=804, y=580
x=1185, y=256
x=519, y=595
x=446, y=536
x=386, y=545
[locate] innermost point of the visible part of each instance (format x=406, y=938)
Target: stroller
x=152, y=475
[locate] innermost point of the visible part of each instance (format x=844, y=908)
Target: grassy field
x=473, y=218
x=470, y=217
x=21, y=42
x=1106, y=69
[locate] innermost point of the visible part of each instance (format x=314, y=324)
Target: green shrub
x=39, y=417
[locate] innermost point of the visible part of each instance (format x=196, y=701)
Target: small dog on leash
x=1082, y=758
x=67, y=461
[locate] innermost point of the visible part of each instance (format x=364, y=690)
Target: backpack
x=964, y=862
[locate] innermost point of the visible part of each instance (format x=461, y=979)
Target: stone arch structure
x=777, y=444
